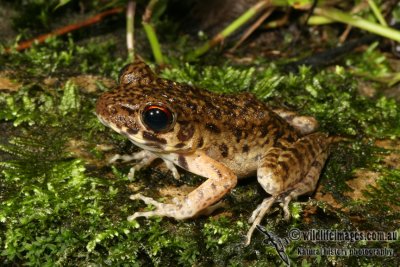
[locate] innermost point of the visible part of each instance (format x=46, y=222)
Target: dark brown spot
x=128, y=110
x=238, y=134
x=212, y=128
x=277, y=136
x=245, y=149
x=298, y=156
x=264, y=130
x=179, y=145
x=186, y=131
x=317, y=164
x=209, y=105
x=283, y=195
x=132, y=131
x=290, y=138
x=269, y=165
x=182, y=162
x=152, y=137
x=217, y=114
x=285, y=167
x=310, y=149
x=201, y=142
x=213, y=187
x=224, y=150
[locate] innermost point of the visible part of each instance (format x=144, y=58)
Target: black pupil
x=156, y=119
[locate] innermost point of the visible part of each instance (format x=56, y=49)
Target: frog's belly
x=242, y=167
x=242, y=164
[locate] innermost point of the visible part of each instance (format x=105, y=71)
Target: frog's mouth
x=149, y=145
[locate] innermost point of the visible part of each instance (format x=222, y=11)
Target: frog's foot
x=162, y=209
x=178, y=211
x=172, y=168
x=141, y=155
x=258, y=214
x=199, y=201
x=144, y=156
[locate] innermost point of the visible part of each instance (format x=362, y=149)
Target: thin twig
x=130, y=29
x=149, y=11
x=345, y=34
x=252, y=28
x=251, y=12
x=61, y=31
x=279, y=22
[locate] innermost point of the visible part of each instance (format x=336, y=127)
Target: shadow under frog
x=220, y=137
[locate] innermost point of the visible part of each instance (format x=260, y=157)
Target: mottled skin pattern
x=220, y=137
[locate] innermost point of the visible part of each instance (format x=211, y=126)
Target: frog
x=221, y=137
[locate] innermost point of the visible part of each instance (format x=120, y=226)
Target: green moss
x=371, y=62
x=60, y=56
x=388, y=185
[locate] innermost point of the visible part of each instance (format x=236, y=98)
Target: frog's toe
x=258, y=215
x=145, y=214
x=123, y=158
x=134, y=216
x=285, y=207
x=131, y=173
x=263, y=208
x=172, y=168
x=147, y=200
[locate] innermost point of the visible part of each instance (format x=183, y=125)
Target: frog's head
x=147, y=110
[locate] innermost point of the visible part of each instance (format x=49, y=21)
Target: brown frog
x=220, y=137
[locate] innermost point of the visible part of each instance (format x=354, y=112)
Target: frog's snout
x=104, y=106
x=119, y=115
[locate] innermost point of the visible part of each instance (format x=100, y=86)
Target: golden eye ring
x=157, y=118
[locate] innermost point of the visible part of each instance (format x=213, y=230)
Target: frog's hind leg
x=305, y=186
x=287, y=173
x=303, y=124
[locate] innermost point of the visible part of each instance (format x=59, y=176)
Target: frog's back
x=226, y=110
x=236, y=129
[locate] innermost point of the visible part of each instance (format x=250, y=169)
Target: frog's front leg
x=288, y=173
x=145, y=158
x=220, y=181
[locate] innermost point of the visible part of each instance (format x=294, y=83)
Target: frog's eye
x=157, y=118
